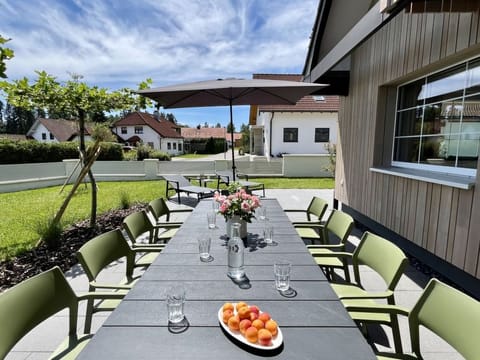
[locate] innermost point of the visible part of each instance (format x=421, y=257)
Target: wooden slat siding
x=452, y=33
x=444, y=214
x=464, y=24
x=421, y=211
x=412, y=210
x=463, y=223
x=453, y=224
x=434, y=213
x=473, y=245
x=428, y=39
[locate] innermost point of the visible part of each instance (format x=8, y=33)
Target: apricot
x=240, y=305
x=258, y=324
x=271, y=325
x=253, y=316
x=264, y=337
x=228, y=306
x=227, y=314
x=254, y=309
x=251, y=334
x=244, y=325
x=244, y=312
x=234, y=323
x=264, y=317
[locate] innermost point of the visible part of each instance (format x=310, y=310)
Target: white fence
x=31, y=176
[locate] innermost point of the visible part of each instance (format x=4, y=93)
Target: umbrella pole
x=233, y=143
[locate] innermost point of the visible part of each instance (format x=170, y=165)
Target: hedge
x=30, y=151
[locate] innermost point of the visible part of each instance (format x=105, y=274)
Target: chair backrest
x=159, y=208
x=449, y=313
x=137, y=224
x=340, y=224
x=381, y=255
x=104, y=249
x=317, y=207
x=180, y=179
x=34, y=300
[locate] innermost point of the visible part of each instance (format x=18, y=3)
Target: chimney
x=156, y=115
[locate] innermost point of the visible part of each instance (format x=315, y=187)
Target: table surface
x=314, y=323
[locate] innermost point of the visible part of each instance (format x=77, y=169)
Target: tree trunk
x=93, y=210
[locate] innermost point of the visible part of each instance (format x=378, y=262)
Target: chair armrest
x=148, y=248
x=378, y=309
x=315, y=225
x=370, y=295
x=326, y=246
x=181, y=210
x=337, y=254
x=167, y=225
x=295, y=210
x=100, y=296
x=110, y=286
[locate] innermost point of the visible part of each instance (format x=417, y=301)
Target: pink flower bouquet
x=240, y=204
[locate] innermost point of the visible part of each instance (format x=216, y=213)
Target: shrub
x=160, y=155
x=143, y=152
x=49, y=232
x=111, y=151
x=125, y=201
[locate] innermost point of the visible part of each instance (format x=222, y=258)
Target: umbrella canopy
x=229, y=92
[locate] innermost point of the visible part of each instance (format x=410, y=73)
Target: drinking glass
x=268, y=234
x=204, y=243
x=175, y=300
x=212, y=219
x=282, y=275
x=262, y=213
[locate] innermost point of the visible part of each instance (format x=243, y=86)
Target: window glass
x=290, y=135
x=179, y=146
x=438, y=120
x=169, y=146
x=52, y=137
x=124, y=129
x=322, y=134
x=44, y=136
x=174, y=146
x=138, y=129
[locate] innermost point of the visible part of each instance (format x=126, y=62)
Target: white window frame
x=421, y=166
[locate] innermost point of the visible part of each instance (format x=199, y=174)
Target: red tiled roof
x=163, y=127
x=206, y=133
x=62, y=129
x=307, y=103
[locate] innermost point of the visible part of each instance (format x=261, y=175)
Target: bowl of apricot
x=249, y=325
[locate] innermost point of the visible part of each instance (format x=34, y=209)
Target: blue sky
x=118, y=43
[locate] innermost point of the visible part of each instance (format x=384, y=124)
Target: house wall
x=151, y=136
x=441, y=219
x=306, y=124
x=37, y=134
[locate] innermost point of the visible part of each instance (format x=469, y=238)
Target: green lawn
x=191, y=156
x=23, y=210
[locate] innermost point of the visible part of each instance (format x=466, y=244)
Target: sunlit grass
x=22, y=211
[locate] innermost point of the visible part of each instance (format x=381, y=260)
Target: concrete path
x=44, y=339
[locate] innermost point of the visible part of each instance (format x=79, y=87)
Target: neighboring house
x=207, y=133
x=408, y=73
x=304, y=128
x=152, y=130
x=56, y=130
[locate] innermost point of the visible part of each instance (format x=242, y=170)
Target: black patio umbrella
x=229, y=92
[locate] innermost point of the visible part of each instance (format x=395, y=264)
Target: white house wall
x=306, y=124
x=37, y=134
x=151, y=136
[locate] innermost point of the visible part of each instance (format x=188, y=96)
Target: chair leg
x=346, y=271
x=397, y=340
x=88, y=316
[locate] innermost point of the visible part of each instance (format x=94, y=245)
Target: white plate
x=276, y=340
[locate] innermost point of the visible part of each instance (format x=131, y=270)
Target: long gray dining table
x=312, y=319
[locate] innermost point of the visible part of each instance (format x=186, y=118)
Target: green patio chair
x=29, y=303
x=388, y=261
x=339, y=224
x=95, y=255
x=447, y=312
x=309, y=230
x=139, y=223
x=160, y=213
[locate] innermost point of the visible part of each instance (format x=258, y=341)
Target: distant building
x=13, y=137
x=304, y=128
x=56, y=130
x=152, y=130
x=207, y=133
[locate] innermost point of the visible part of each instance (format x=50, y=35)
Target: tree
x=230, y=127
x=170, y=117
x=245, y=130
x=5, y=54
x=218, y=125
x=74, y=99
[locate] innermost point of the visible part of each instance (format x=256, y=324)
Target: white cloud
x=120, y=43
